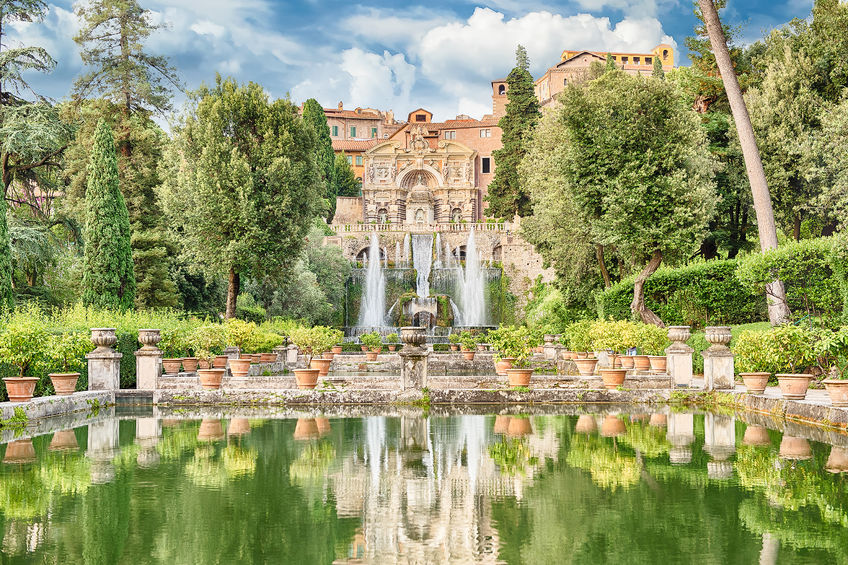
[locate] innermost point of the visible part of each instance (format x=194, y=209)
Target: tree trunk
x=233, y=285
x=638, y=305
x=796, y=227
x=599, y=253
x=777, y=306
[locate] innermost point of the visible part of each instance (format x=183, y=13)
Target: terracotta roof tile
x=354, y=144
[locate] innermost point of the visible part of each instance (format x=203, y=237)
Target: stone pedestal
x=679, y=356
x=280, y=352
x=550, y=347
x=681, y=434
x=603, y=358
x=104, y=363
x=232, y=352
x=720, y=443
x=148, y=360
x=147, y=433
x=718, y=359
x=413, y=358
x=291, y=355
x=103, y=446
x=560, y=349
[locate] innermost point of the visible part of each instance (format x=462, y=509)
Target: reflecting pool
x=618, y=486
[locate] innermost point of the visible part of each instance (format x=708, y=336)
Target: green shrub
x=248, y=310
x=784, y=349
x=576, y=336
x=652, y=339
x=805, y=267
x=613, y=335
x=392, y=338
x=207, y=340
x=371, y=340
x=513, y=341
x=697, y=295
x=468, y=341
x=839, y=266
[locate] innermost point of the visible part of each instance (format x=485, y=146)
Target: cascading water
x=373, y=311
x=438, y=249
x=397, y=254
x=473, y=286
x=406, y=251
x=422, y=261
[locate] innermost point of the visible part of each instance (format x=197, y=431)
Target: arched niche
x=431, y=177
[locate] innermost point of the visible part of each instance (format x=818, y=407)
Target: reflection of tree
x=65, y=473
x=212, y=467
x=608, y=466
x=650, y=441
x=801, y=530
x=23, y=495
x=512, y=456
x=313, y=462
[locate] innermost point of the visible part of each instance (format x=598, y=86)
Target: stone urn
x=149, y=339
x=103, y=339
x=659, y=363
x=171, y=366
x=795, y=448
x=240, y=367
x=612, y=426
x=627, y=361
x=20, y=389
x=64, y=383
x=756, y=436
x=586, y=424
x=64, y=440
x=469, y=355
x=717, y=335
x=794, y=386
x=613, y=378
x=306, y=429
x=504, y=364
x=220, y=362
x=586, y=367
x=519, y=376
x=371, y=354
x=337, y=349
x=679, y=334
x=323, y=366
x=210, y=379
x=19, y=451
x=837, y=389
x=755, y=382
x=267, y=357
x=413, y=337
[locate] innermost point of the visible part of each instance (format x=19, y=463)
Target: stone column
x=280, y=351
x=413, y=366
x=103, y=446
x=147, y=434
x=291, y=355
x=679, y=356
x=720, y=443
x=148, y=360
x=680, y=434
x=718, y=359
x=104, y=363
x=550, y=351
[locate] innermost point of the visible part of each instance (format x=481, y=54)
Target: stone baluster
x=718, y=359
x=148, y=360
x=104, y=363
x=679, y=356
x=549, y=349
x=414, y=358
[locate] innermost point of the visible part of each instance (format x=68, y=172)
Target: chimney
x=341, y=106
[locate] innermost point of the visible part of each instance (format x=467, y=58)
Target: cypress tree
x=506, y=195
x=611, y=66
x=658, y=71
x=108, y=279
x=7, y=297
x=344, y=178
x=313, y=115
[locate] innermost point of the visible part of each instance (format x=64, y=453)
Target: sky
x=441, y=55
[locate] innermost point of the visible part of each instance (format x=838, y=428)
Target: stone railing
x=504, y=227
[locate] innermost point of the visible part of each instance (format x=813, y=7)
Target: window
x=635, y=60
x=373, y=133
x=648, y=61
x=485, y=133
x=502, y=89
x=565, y=82
x=665, y=53
x=335, y=131
x=450, y=134
x=625, y=59
x=353, y=131
x=359, y=160
x=350, y=160
x=486, y=165
x=420, y=117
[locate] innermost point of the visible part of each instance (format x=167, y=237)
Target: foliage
x=512, y=456
x=516, y=342
x=66, y=352
x=392, y=338
x=317, y=340
x=240, y=334
x=610, y=468
x=7, y=296
x=207, y=340
x=652, y=339
x=344, y=178
x=455, y=337
x=108, y=278
x=805, y=267
x=23, y=340
x=371, y=340
x=613, y=335
x=506, y=196
x=247, y=309
x=313, y=114
x=576, y=337
x=787, y=348
x=467, y=341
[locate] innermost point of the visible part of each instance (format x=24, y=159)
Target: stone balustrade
x=504, y=227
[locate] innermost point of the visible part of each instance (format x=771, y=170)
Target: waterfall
x=422, y=261
x=473, y=286
x=448, y=255
x=438, y=250
x=406, y=250
x=373, y=309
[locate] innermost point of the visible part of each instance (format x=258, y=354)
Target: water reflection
x=407, y=488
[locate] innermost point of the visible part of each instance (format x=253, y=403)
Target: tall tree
x=313, y=114
x=7, y=296
x=344, y=178
x=658, y=71
x=132, y=85
x=777, y=305
x=241, y=184
x=506, y=195
x=634, y=167
x=108, y=279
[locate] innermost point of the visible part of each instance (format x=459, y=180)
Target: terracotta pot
x=305, y=429
x=519, y=377
x=220, y=362
x=658, y=420
x=337, y=349
x=627, y=361
x=255, y=358
x=323, y=366
x=371, y=355
x=756, y=436
x=64, y=383
x=238, y=427
x=454, y=347
x=19, y=451
x=267, y=357
x=658, y=363
x=586, y=424
x=755, y=382
x=613, y=378
x=469, y=355
x=641, y=362
x=306, y=378
x=581, y=355
x=211, y=429
x=504, y=364
x=612, y=426
x=210, y=379
x=190, y=364
x=329, y=355
x=205, y=364
x=501, y=424
x=392, y=347
x=64, y=440
x=323, y=426
x=239, y=367
x=171, y=366
x=795, y=448
x=837, y=462
x=794, y=386
x=838, y=391
x=519, y=427
x=586, y=367
x=482, y=347
x=20, y=389
x=363, y=347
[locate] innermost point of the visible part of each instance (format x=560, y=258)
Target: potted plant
x=306, y=339
x=66, y=356
x=241, y=334
x=172, y=345
x=325, y=338
x=374, y=344
x=578, y=338
x=205, y=341
x=518, y=344
x=498, y=338
x=22, y=343
x=653, y=341
x=834, y=348
x=753, y=361
x=468, y=344
x=792, y=348
x=454, y=339
x=392, y=341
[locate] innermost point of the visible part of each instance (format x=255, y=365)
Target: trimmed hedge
x=698, y=295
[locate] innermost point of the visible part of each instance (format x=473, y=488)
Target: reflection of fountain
x=372, y=313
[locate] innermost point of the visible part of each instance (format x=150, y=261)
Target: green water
x=626, y=488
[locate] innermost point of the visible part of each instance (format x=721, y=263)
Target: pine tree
x=108, y=279
x=658, y=71
x=7, y=297
x=506, y=195
x=611, y=66
x=313, y=115
x=344, y=178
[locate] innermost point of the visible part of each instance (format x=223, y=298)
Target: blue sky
x=440, y=55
